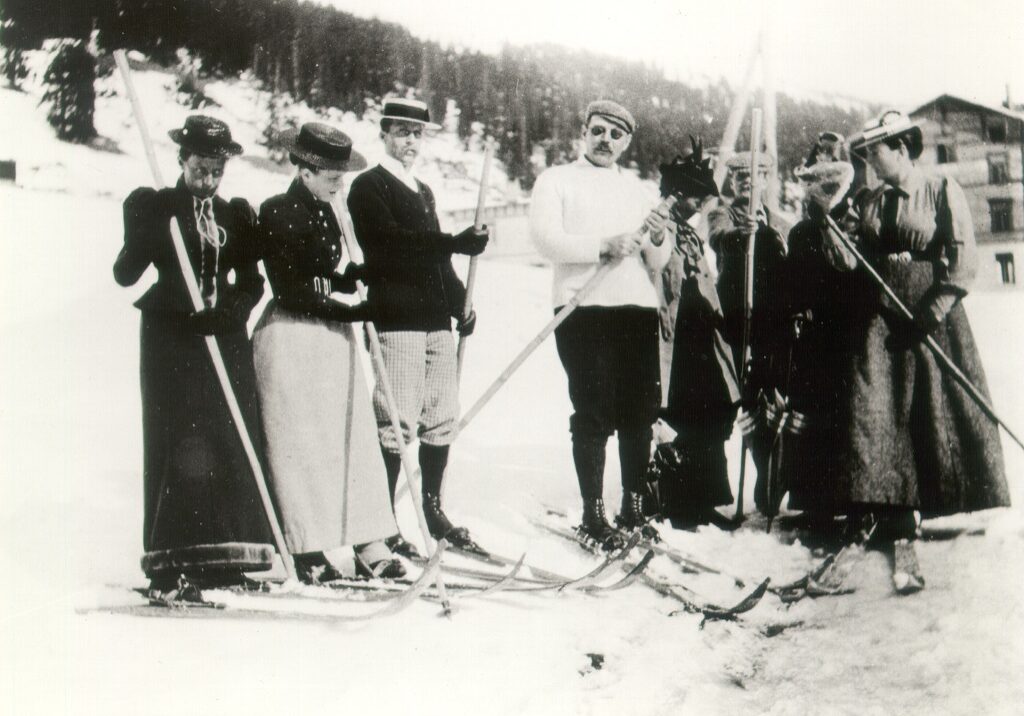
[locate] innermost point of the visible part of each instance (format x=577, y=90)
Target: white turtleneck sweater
x=577, y=206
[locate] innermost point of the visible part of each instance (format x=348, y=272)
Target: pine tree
x=15, y=70
x=70, y=92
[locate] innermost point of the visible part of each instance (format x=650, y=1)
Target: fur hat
x=891, y=124
x=324, y=147
x=206, y=136
x=613, y=112
x=691, y=176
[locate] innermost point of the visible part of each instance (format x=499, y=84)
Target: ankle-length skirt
x=326, y=471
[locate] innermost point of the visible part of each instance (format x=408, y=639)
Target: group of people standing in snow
x=299, y=381
x=839, y=400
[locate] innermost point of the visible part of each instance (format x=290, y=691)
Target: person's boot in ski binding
x=442, y=528
x=906, y=572
x=631, y=516
x=375, y=561
x=403, y=548
x=595, y=528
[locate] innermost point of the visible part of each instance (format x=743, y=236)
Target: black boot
x=595, y=527
x=315, y=568
x=441, y=527
x=631, y=516
x=403, y=548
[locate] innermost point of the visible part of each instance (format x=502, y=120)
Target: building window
x=1001, y=211
x=1005, y=261
x=996, y=127
x=945, y=154
x=999, y=168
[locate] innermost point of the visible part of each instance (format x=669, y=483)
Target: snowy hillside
x=71, y=513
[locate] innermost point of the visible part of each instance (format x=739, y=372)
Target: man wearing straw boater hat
x=203, y=517
x=583, y=215
x=729, y=228
x=414, y=293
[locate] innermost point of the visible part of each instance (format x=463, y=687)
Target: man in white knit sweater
x=582, y=215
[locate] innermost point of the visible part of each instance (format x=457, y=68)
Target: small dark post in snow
x=8, y=170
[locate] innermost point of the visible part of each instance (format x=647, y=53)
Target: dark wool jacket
x=413, y=286
x=301, y=247
x=147, y=240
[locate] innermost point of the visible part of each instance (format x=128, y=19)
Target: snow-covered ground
x=70, y=519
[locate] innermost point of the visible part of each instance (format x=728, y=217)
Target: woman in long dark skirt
x=916, y=440
x=203, y=514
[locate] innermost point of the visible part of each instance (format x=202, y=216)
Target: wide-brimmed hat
x=408, y=110
x=742, y=160
x=891, y=124
x=324, y=147
x=690, y=176
x=613, y=112
x=207, y=136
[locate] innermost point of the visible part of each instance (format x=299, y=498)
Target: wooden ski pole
x=477, y=224
x=748, y=287
x=555, y=322
x=377, y=354
x=211, y=342
x=940, y=355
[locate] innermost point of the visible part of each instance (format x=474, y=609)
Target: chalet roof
x=1002, y=111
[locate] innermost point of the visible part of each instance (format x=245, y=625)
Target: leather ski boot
x=595, y=528
x=631, y=516
x=403, y=548
x=315, y=568
x=441, y=527
x=906, y=572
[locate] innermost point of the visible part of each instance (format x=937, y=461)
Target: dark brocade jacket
x=412, y=284
x=302, y=247
x=202, y=508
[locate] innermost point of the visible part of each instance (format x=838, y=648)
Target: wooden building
x=982, y=147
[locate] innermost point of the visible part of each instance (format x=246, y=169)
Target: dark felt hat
x=690, y=176
x=891, y=124
x=324, y=147
x=408, y=110
x=207, y=136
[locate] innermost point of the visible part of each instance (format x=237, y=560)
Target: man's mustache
x=604, y=147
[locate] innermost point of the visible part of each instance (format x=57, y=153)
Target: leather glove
x=932, y=313
x=470, y=241
x=345, y=281
x=343, y=313
x=465, y=326
x=213, y=321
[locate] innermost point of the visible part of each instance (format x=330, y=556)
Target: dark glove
x=343, y=313
x=345, y=281
x=470, y=241
x=932, y=313
x=466, y=325
x=213, y=321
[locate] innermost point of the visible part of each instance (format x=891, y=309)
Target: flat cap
x=741, y=160
x=613, y=112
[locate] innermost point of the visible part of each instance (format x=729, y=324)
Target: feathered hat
x=689, y=176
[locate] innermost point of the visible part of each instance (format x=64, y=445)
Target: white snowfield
x=71, y=517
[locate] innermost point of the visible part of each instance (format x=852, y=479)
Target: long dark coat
x=703, y=390
x=202, y=508
x=915, y=438
x=828, y=303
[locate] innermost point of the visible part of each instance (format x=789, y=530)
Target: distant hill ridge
x=529, y=98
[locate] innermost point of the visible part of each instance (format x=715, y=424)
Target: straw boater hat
x=408, y=110
x=890, y=125
x=324, y=147
x=613, y=112
x=691, y=176
x=206, y=136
